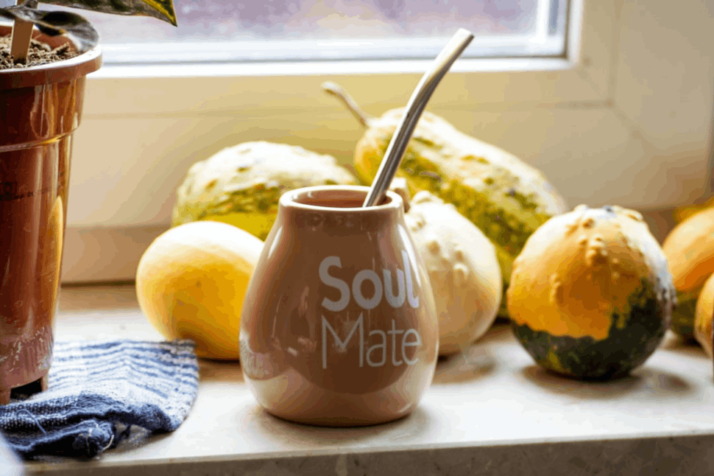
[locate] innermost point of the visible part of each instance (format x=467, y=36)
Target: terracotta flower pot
x=40, y=108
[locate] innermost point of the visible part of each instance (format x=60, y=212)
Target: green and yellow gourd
x=689, y=247
x=504, y=197
x=242, y=185
x=591, y=293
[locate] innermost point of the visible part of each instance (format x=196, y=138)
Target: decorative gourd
x=241, y=185
x=703, y=317
x=682, y=213
x=463, y=270
x=191, y=283
x=504, y=197
x=591, y=293
x=689, y=248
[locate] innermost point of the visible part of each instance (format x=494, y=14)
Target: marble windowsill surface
x=489, y=411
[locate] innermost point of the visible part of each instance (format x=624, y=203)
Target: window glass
x=275, y=30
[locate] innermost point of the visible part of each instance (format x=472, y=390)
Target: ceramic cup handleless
x=339, y=325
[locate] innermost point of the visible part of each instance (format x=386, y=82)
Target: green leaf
x=161, y=9
x=75, y=27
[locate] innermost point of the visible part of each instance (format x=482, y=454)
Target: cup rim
x=290, y=199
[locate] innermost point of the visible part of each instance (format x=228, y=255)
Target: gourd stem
x=336, y=90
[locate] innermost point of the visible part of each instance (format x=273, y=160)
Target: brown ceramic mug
x=339, y=325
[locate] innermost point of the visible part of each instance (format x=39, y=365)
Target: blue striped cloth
x=100, y=391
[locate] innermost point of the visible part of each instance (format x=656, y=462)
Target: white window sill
x=489, y=409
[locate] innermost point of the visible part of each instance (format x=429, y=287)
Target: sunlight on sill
x=332, y=68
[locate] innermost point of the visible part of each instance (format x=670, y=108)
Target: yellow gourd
x=703, y=317
x=690, y=251
x=191, y=283
x=682, y=213
x=506, y=198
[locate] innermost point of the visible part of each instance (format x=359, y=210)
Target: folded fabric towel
x=97, y=392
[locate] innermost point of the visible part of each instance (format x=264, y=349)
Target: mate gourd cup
x=339, y=325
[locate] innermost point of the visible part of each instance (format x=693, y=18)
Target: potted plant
x=42, y=80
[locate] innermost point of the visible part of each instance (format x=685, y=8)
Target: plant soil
x=40, y=53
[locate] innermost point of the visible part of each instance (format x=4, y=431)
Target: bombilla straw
x=417, y=103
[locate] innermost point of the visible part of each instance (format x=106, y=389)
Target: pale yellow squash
x=191, y=283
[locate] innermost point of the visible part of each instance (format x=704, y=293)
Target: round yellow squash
x=689, y=248
x=703, y=317
x=191, y=283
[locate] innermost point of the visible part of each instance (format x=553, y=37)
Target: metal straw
x=417, y=103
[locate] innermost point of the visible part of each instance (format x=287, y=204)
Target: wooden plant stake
x=20, y=42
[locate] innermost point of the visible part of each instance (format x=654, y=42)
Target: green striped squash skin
x=585, y=358
x=242, y=185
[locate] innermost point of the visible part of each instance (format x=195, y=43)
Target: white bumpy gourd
x=462, y=265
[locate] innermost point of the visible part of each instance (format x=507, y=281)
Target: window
x=300, y=30
x=620, y=113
